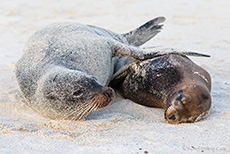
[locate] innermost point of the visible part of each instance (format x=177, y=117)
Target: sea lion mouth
x=103, y=98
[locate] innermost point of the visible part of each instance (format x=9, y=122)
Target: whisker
x=77, y=109
x=85, y=109
x=94, y=105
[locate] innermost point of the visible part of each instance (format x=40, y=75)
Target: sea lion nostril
x=108, y=93
x=172, y=117
x=179, y=97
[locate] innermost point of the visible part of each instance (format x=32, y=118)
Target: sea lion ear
x=185, y=98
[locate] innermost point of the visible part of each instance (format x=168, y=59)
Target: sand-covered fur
x=66, y=67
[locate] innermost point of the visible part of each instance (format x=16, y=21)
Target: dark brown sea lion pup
x=172, y=82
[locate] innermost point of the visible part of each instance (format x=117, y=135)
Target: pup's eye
x=172, y=117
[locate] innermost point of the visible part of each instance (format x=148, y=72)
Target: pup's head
x=190, y=104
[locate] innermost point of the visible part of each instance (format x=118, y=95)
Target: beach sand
x=123, y=126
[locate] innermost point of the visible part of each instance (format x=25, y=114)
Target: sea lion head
x=71, y=95
x=189, y=104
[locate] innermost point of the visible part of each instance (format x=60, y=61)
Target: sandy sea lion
x=66, y=67
x=172, y=82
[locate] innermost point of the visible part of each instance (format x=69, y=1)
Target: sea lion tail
x=145, y=32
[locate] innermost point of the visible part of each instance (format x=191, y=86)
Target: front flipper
x=120, y=75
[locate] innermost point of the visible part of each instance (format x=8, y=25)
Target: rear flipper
x=123, y=50
x=145, y=32
x=160, y=51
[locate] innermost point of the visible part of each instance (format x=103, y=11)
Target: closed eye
x=78, y=92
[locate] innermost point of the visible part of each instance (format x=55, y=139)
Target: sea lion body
x=59, y=61
x=66, y=67
x=172, y=82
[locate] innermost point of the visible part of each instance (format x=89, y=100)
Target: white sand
x=123, y=126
